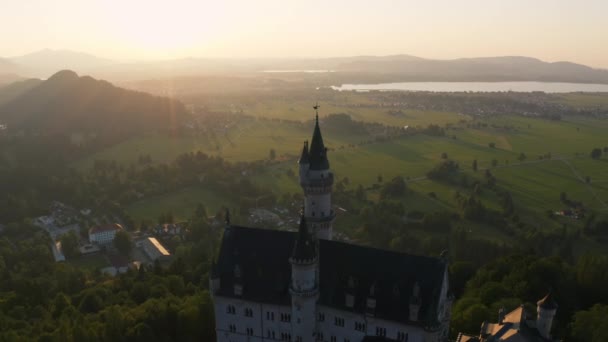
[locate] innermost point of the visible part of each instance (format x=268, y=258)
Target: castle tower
x=546, y=309
x=317, y=180
x=304, y=287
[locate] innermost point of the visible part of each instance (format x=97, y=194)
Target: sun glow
x=164, y=30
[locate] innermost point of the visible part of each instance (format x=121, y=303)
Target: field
x=181, y=204
x=556, y=156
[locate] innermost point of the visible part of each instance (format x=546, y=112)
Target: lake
x=547, y=87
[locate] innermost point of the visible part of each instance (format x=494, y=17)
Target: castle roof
x=263, y=256
x=304, y=157
x=318, y=152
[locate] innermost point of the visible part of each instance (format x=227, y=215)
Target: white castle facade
x=271, y=285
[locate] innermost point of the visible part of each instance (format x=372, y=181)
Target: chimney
x=371, y=300
x=238, y=281
x=415, y=303
x=501, y=315
x=350, y=293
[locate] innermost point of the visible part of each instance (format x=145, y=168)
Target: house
x=155, y=250
x=104, y=234
x=516, y=326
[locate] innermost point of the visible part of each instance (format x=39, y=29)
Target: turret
x=317, y=180
x=304, y=288
x=546, y=309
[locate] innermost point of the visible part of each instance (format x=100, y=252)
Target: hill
x=67, y=103
x=15, y=89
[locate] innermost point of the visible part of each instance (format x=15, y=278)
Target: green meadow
x=535, y=182
x=181, y=204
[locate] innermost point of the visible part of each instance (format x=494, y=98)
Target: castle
x=271, y=285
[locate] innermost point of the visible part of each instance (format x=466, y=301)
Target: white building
x=103, y=234
x=271, y=285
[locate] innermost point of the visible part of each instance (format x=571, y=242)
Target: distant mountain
x=477, y=69
x=381, y=68
x=67, y=103
x=45, y=63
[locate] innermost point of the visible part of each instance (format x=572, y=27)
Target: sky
x=551, y=30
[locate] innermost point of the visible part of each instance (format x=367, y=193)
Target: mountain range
x=44, y=63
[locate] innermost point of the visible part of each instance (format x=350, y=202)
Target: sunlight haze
x=145, y=30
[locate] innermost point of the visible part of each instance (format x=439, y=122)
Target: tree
x=444, y=155
x=379, y=178
x=590, y=325
x=395, y=188
x=522, y=157
x=69, y=244
x=596, y=153
x=123, y=243
x=272, y=154
x=492, y=145
x=494, y=162
x=475, y=165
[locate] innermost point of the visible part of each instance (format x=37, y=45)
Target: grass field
x=535, y=184
x=181, y=204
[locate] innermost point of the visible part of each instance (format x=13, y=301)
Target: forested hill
x=66, y=103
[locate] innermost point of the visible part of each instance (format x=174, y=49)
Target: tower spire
x=316, y=107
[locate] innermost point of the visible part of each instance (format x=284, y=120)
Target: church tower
x=304, y=287
x=317, y=180
x=546, y=309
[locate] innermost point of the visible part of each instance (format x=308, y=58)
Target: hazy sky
x=148, y=29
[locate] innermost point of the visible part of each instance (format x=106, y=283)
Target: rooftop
x=105, y=228
x=262, y=256
x=158, y=246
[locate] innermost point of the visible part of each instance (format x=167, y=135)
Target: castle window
x=321, y=317
x=401, y=336
x=232, y=328
x=360, y=326
x=248, y=312
x=231, y=310
x=339, y=321
x=380, y=331
x=320, y=336
x=346, y=340
x=333, y=339
x=249, y=331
